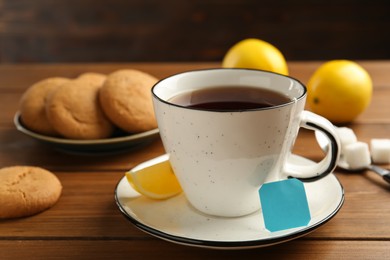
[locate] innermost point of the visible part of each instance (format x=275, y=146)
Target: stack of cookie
x=91, y=106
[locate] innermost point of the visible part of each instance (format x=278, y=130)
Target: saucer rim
x=238, y=244
x=110, y=145
x=61, y=140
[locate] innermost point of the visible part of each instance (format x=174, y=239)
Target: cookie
x=92, y=78
x=32, y=105
x=27, y=190
x=127, y=100
x=74, y=111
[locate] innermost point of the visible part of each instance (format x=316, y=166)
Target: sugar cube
x=347, y=136
x=380, y=150
x=357, y=155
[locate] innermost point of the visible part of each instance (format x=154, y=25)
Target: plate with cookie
x=93, y=113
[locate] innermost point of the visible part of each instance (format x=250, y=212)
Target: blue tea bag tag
x=284, y=205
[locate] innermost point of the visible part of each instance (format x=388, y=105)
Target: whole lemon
x=339, y=90
x=255, y=54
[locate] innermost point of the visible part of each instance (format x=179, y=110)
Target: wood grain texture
x=155, y=249
x=86, y=223
x=171, y=30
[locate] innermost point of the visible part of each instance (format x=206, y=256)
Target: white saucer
x=176, y=221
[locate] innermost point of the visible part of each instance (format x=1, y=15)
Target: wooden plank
x=18, y=77
x=151, y=30
x=158, y=249
x=86, y=223
x=18, y=149
x=376, y=113
x=87, y=209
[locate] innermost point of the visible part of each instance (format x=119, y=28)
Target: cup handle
x=319, y=170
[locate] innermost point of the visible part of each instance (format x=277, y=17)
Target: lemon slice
x=154, y=180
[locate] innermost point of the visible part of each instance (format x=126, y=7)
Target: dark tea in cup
x=230, y=98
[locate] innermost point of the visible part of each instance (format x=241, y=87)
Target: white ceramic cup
x=221, y=159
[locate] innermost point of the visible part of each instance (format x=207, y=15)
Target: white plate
x=176, y=221
x=118, y=143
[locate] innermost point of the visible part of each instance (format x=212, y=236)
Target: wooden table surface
x=86, y=223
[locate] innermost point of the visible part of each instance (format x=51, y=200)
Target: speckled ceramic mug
x=221, y=158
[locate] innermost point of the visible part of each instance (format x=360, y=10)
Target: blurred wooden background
x=154, y=30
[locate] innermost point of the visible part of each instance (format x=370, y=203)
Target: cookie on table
x=32, y=105
x=74, y=111
x=27, y=190
x=127, y=100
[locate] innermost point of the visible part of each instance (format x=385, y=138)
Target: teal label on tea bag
x=284, y=205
